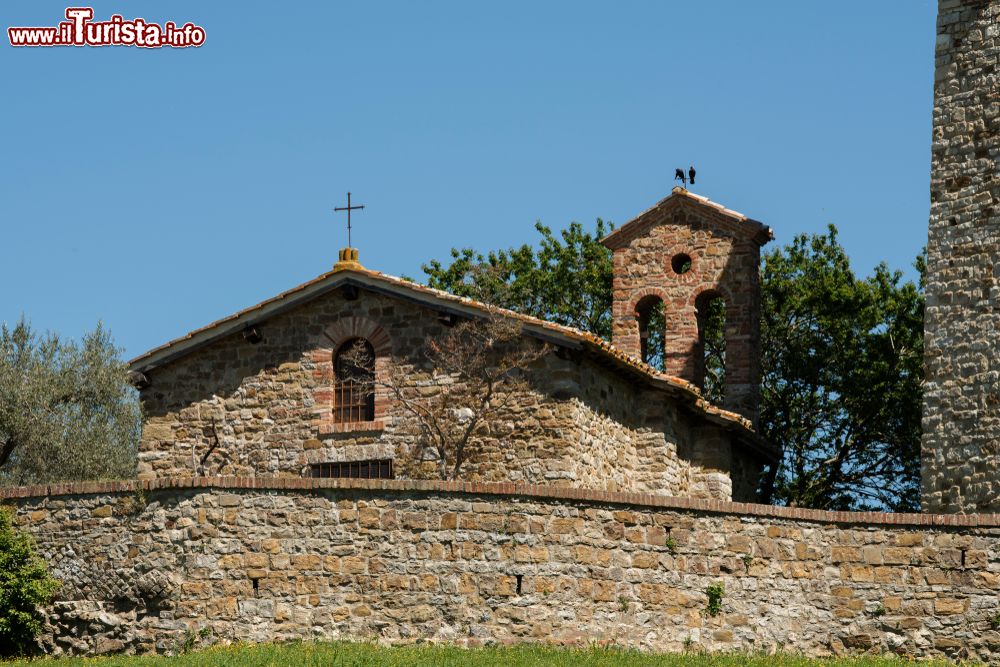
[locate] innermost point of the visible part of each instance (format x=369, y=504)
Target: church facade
x=260, y=393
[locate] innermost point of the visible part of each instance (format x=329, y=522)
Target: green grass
x=343, y=654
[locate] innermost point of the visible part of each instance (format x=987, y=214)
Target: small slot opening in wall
x=963, y=557
x=520, y=578
x=256, y=585
x=251, y=334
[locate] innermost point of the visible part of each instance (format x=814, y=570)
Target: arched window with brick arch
x=354, y=382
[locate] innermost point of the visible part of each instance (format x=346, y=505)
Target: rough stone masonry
x=160, y=563
x=961, y=421
x=157, y=564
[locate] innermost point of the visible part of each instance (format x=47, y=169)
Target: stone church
x=258, y=393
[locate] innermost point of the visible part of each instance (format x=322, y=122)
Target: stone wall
x=252, y=559
x=236, y=408
x=961, y=424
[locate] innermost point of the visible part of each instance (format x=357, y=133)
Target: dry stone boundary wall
x=150, y=565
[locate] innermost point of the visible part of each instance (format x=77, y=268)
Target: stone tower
x=684, y=252
x=961, y=417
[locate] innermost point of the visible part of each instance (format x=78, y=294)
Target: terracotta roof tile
x=678, y=386
x=760, y=232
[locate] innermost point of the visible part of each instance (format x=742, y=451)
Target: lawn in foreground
x=345, y=654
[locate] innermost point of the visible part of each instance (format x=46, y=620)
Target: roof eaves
x=762, y=234
x=237, y=321
x=376, y=281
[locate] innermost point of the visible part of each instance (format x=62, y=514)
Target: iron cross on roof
x=348, y=208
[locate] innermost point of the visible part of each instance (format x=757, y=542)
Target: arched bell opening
x=650, y=318
x=710, y=351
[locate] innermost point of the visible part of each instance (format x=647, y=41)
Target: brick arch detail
x=682, y=278
x=347, y=328
x=709, y=287
x=686, y=311
x=639, y=295
x=335, y=335
x=721, y=290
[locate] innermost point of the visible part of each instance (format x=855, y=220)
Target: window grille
x=352, y=403
x=353, y=390
x=370, y=469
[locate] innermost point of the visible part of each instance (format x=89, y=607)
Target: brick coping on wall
x=558, y=493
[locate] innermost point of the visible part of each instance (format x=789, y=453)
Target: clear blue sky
x=158, y=190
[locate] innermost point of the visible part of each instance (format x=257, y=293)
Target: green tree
x=843, y=364
x=842, y=357
x=715, y=351
x=25, y=584
x=66, y=410
x=567, y=280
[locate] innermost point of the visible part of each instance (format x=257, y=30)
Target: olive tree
x=67, y=411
